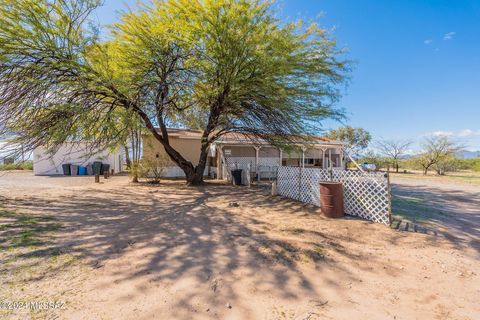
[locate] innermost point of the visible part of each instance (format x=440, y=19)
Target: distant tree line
x=438, y=153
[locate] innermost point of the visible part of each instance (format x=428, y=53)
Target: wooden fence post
x=389, y=198
x=274, y=188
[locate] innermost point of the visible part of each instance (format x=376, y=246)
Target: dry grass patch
x=29, y=258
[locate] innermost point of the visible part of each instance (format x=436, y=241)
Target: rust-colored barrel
x=331, y=199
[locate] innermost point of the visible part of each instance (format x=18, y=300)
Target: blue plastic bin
x=82, y=171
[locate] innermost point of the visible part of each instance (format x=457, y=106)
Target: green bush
x=470, y=164
x=410, y=164
x=27, y=165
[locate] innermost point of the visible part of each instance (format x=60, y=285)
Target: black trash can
x=66, y=169
x=97, y=168
x=105, y=168
x=237, y=176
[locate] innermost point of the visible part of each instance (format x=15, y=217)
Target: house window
x=309, y=161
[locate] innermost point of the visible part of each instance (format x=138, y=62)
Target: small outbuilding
x=73, y=153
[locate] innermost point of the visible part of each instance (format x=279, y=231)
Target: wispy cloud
x=469, y=133
x=428, y=41
x=442, y=133
x=449, y=35
x=465, y=133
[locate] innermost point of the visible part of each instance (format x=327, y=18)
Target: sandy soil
x=124, y=251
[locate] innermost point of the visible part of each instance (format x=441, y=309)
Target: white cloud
x=469, y=133
x=442, y=133
x=321, y=14
x=428, y=41
x=449, y=35
x=465, y=133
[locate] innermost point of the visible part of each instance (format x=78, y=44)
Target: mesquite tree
x=218, y=66
x=393, y=150
x=355, y=139
x=435, y=150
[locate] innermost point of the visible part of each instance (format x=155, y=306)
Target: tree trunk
x=127, y=158
x=196, y=178
x=194, y=175
x=397, y=167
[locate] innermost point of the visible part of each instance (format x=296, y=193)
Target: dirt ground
x=449, y=204
x=122, y=251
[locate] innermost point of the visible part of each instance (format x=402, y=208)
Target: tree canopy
x=355, y=139
x=435, y=151
x=218, y=66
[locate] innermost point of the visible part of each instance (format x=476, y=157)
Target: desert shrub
x=470, y=164
x=410, y=164
x=153, y=169
x=448, y=164
x=27, y=165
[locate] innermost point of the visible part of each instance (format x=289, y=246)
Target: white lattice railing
x=265, y=169
x=244, y=163
x=365, y=194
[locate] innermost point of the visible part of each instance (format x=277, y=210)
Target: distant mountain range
x=465, y=154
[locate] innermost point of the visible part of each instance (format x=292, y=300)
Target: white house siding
x=73, y=153
x=177, y=172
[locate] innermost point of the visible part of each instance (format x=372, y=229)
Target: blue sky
x=417, y=69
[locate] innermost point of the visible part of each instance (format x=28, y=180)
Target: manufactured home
x=235, y=150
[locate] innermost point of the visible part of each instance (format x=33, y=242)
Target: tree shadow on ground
x=454, y=213
x=178, y=231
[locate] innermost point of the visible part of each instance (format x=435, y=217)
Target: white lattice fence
x=288, y=182
x=244, y=163
x=269, y=161
x=239, y=162
x=365, y=194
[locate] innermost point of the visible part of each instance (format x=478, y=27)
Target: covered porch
x=263, y=160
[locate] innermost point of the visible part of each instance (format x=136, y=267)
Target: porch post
x=330, y=157
x=281, y=156
x=257, y=151
x=341, y=159
x=324, y=165
x=219, y=163
x=303, y=156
